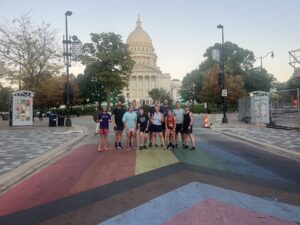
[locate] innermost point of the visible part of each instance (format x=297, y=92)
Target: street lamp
x=222, y=77
x=193, y=95
x=67, y=57
x=261, y=58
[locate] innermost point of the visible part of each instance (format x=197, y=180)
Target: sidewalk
x=25, y=149
x=284, y=142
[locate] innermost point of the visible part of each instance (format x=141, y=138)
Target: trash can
x=61, y=121
x=52, y=120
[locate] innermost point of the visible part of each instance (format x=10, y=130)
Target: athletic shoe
x=156, y=146
x=169, y=146
x=141, y=148
x=120, y=146
x=193, y=148
x=150, y=145
x=145, y=147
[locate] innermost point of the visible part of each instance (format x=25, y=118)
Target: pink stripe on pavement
x=110, y=167
x=212, y=212
x=49, y=184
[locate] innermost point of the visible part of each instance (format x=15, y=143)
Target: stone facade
x=146, y=75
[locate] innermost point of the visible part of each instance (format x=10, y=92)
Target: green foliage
x=191, y=86
x=91, y=90
x=160, y=94
x=293, y=82
x=107, y=59
x=50, y=91
x=4, y=95
x=238, y=62
x=258, y=79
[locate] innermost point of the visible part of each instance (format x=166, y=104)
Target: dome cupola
x=139, y=37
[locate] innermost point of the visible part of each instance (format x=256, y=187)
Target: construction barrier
x=206, y=121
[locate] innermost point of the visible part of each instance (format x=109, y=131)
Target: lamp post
x=222, y=77
x=193, y=96
x=67, y=57
x=261, y=58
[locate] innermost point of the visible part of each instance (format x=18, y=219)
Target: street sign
x=216, y=55
x=224, y=93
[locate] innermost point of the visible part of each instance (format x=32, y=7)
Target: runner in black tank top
x=187, y=128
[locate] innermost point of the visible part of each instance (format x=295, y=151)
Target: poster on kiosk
x=22, y=108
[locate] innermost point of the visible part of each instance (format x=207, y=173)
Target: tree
x=28, y=49
x=258, y=79
x=160, y=94
x=191, y=86
x=211, y=91
x=50, y=91
x=90, y=88
x=4, y=96
x=237, y=60
x=107, y=59
x=293, y=82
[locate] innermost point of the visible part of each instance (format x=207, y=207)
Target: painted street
x=225, y=181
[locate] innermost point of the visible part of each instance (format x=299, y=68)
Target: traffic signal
x=221, y=79
x=68, y=89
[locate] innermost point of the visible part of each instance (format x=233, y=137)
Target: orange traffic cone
x=206, y=122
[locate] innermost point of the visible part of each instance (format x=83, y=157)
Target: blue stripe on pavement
x=163, y=208
x=238, y=164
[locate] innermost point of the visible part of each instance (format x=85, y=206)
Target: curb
x=269, y=148
x=18, y=174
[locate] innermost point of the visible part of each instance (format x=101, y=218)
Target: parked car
x=48, y=113
x=4, y=115
x=37, y=114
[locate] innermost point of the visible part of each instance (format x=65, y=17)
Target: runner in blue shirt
x=129, y=121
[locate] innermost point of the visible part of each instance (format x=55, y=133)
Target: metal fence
x=244, y=109
x=285, y=107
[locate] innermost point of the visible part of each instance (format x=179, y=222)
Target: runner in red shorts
x=104, y=119
x=170, y=123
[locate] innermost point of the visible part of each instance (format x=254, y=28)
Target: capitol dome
x=145, y=75
x=139, y=37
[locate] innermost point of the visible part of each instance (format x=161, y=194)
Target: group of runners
x=143, y=128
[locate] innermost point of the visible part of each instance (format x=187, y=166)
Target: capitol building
x=146, y=75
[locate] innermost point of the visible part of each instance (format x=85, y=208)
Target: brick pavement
x=19, y=145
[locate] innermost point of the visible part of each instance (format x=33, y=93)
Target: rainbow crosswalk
x=143, y=187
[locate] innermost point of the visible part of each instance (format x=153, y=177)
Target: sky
x=181, y=30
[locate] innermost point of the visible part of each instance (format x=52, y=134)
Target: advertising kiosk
x=21, y=108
